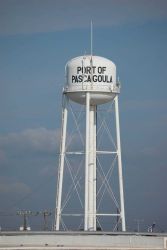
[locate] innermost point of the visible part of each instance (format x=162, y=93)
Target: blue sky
x=37, y=38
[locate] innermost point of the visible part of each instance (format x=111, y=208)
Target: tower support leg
x=61, y=163
x=119, y=164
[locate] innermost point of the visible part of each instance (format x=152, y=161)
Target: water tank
x=94, y=74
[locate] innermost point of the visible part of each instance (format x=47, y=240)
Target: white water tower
x=90, y=81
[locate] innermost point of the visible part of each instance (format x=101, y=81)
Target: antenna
x=91, y=49
x=91, y=38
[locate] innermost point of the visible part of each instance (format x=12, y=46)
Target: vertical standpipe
x=90, y=166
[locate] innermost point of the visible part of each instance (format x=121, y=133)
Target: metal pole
x=87, y=160
x=120, y=164
x=138, y=221
x=45, y=221
x=61, y=162
x=25, y=222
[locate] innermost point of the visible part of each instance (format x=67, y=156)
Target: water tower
x=90, y=81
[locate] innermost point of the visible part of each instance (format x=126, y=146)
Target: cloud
x=28, y=162
x=12, y=190
x=39, y=140
x=28, y=156
x=13, y=187
x=27, y=17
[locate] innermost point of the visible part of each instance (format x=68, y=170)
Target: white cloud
x=40, y=140
x=26, y=17
x=26, y=158
x=10, y=186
